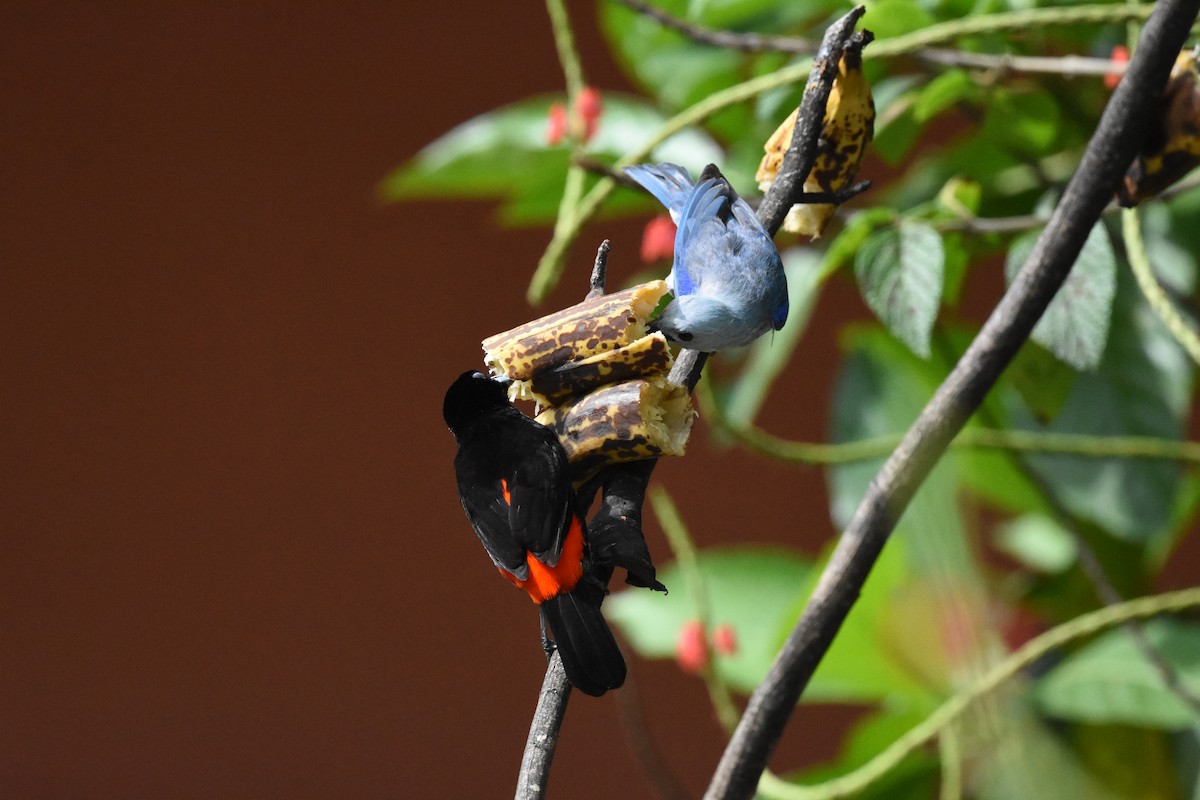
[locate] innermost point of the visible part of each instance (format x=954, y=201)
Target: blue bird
x=727, y=280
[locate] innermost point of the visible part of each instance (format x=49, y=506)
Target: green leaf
x=1043, y=381
x=891, y=18
x=861, y=666
x=1142, y=388
x=1028, y=121
x=900, y=274
x=1075, y=325
x=1110, y=681
x=753, y=588
x=679, y=71
x=1038, y=542
x=849, y=239
x=950, y=88
x=503, y=154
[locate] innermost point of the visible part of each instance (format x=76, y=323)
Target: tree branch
x=1111, y=149
x=543, y=732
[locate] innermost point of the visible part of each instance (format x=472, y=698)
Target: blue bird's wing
x=701, y=225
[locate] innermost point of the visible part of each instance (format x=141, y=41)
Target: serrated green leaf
x=948, y=89
x=1110, y=681
x=849, y=239
x=753, y=588
x=900, y=273
x=1075, y=325
x=1043, y=381
x=1142, y=387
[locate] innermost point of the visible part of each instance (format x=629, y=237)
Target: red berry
x=724, y=640
x=588, y=108
x=658, y=239
x=556, y=124
x=1119, y=55
x=690, y=650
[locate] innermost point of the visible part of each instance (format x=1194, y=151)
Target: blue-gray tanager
x=727, y=279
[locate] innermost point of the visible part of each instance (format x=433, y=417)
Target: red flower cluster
x=586, y=119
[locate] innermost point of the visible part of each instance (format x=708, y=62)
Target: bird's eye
x=686, y=337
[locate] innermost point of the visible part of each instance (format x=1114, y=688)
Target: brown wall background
x=233, y=562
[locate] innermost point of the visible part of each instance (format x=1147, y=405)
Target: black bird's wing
x=523, y=504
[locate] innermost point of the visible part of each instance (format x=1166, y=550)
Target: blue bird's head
x=703, y=323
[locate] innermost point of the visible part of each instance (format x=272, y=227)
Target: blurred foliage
x=983, y=559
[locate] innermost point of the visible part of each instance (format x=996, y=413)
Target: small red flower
x=1119, y=55
x=691, y=652
x=658, y=239
x=724, y=640
x=556, y=124
x=588, y=109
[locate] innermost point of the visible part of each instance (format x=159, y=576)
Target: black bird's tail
x=590, y=655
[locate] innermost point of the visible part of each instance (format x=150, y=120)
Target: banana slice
x=538, y=355
x=630, y=421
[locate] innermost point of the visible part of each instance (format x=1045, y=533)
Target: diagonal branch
x=1119, y=134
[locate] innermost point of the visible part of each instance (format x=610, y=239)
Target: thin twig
x=1182, y=330
x=1070, y=66
x=953, y=708
x=730, y=40
x=1117, y=138
x=1014, y=440
x=1028, y=222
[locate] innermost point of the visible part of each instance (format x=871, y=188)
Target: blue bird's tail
x=669, y=183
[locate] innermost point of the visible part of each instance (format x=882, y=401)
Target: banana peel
x=847, y=129
x=1173, y=147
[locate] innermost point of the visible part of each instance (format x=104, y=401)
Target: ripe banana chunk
x=629, y=421
x=570, y=351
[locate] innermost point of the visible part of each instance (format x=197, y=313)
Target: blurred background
x=233, y=559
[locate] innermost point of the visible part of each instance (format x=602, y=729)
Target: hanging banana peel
x=602, y=377
x=1173, y=147
x=846, y=130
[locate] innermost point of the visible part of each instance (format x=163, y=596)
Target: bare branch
x=1071, y=66
x=1117, y=138
x=746, y=42
x=543, y=732
x=599, y=271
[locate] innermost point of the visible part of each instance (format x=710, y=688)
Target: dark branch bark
x=1112, y=148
